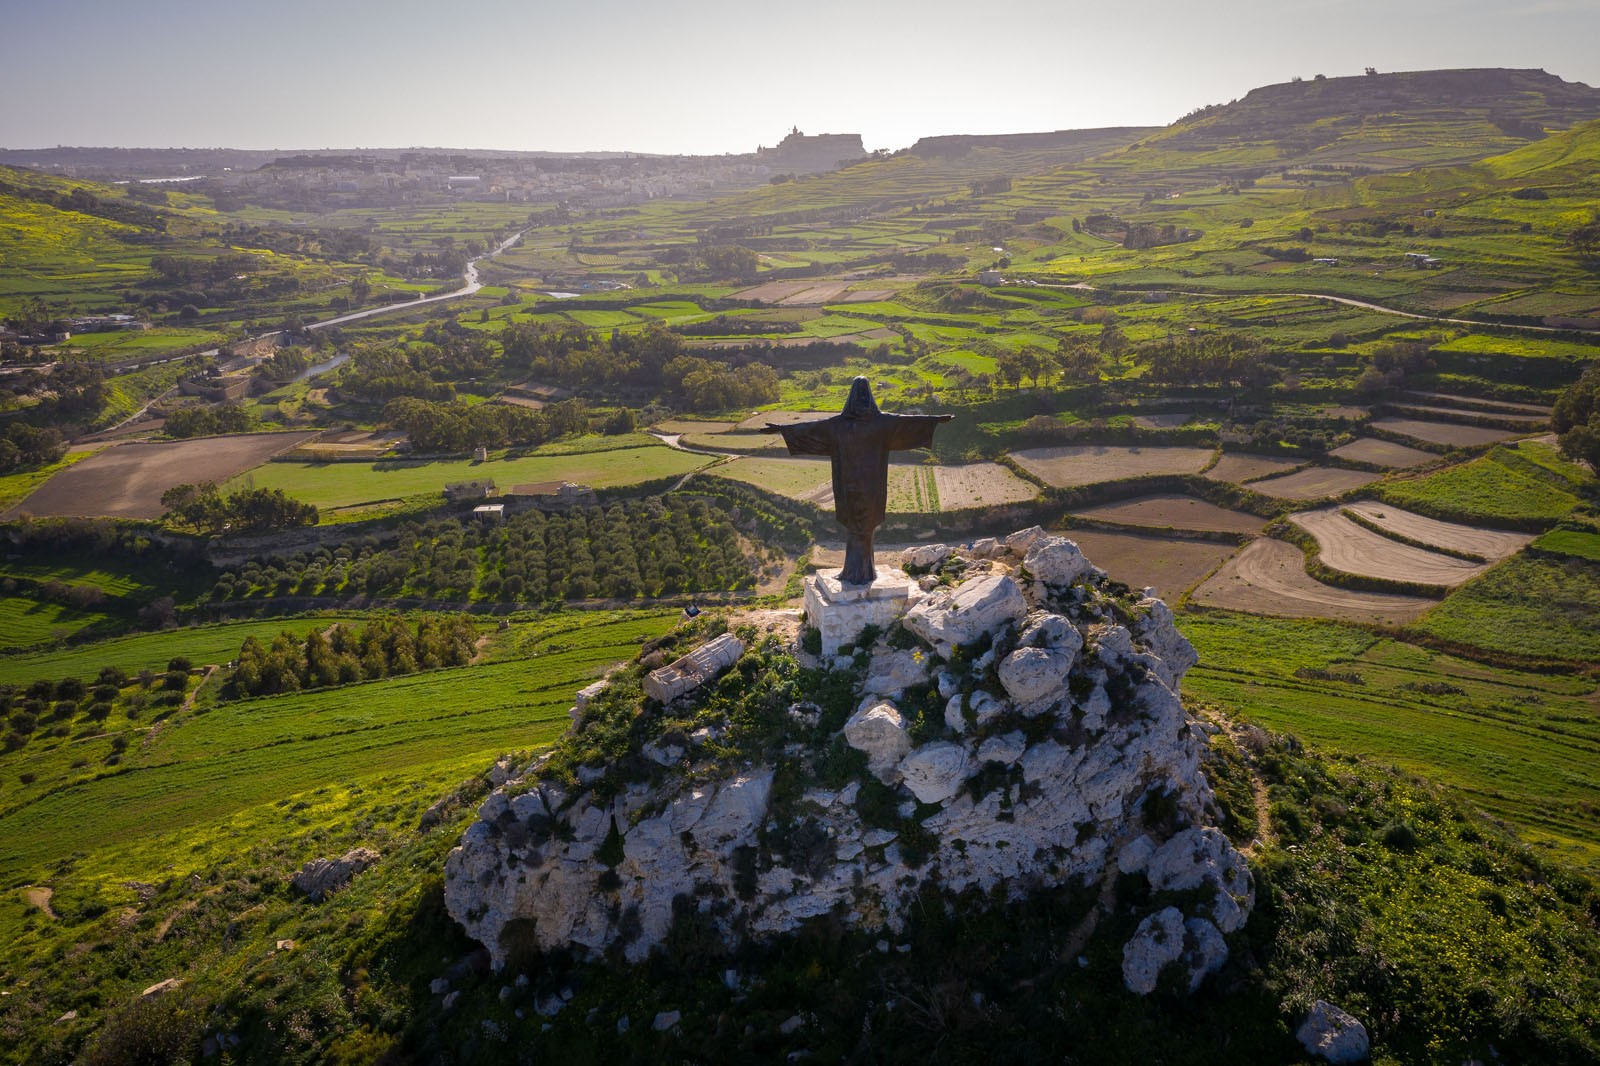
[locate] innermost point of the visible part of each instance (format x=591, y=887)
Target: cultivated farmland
x=126, y=481
x=334, y=485
x=800, y=479
x=1269, y=577
x=1170, y=565
x=1173, y=511
x=1089, y=464
x=1239, y=467
x=980, y=485
x=1491, y=544
x=1314, y=483
x=1345, y=545
x=1383, y=453
x=1447, y=433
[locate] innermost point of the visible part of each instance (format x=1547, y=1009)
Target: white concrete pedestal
x=842, y=611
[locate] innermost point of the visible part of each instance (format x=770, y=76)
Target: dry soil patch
x=1174, y=511
x=1355, y=549
x=127, y=481
x=1383, y=453
x=1269, y=577
x=759, y=420
x=1168, y=564
x=980, y=485
x=1447, y=433
x=1239, y=467
x=1314, y=483
x=1090, y=464
x=1493, y=544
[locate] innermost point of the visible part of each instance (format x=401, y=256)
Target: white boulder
x=924, y=556
x=1157, y=942
x=1004, y=749
x=1056, y=562
x=948, y=619
x=892, y=673
x=1036, y=677
x=985, y=709
x=935, y=771
x=1332, y=1035
x=880, y=731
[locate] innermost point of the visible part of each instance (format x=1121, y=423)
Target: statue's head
x=860, y=404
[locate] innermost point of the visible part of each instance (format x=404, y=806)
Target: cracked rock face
x=1034, y=740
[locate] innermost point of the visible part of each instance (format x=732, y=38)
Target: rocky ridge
x=1019, y=730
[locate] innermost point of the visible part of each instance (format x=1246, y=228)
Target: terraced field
x=1451, y=434
x=1170, y=565
x=1492, y=544
x=980, y=485
x=1383, y=453
x=1314, y=483
x=1269, y=577
x=1089, y=464
x=1172, y=511
x=1355, y=549
x=1240, y=467
x=1521, y=745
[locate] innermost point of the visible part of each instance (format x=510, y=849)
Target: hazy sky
x=705, y=76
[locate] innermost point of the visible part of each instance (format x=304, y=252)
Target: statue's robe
x=859, y=445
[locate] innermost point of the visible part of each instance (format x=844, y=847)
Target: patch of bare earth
x=38, y=897
x=1269, y=577
x=1168, y=564
x=1447, y=433
x=980, y=485
x=1089, y=464
x=1174, y=511
x=761, y=419
x=1383, y=453
x=127, y=481
x=1239, y=467
x=1493, y=544
x=1355, y=549
x=1314, y=483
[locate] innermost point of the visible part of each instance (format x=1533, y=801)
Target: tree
x=1585, y=240
x=1576, y=418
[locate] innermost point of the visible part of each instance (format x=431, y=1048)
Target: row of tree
x=342, y=654
x=653, y=547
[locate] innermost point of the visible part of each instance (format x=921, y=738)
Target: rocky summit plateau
x=1017, y=731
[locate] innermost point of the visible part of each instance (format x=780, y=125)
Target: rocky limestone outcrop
x=319, y=877
x=1022, y=732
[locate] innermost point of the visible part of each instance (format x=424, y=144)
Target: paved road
x=469, y=285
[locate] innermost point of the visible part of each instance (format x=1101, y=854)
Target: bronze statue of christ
x=859, y=440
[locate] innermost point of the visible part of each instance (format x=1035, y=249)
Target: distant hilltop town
x=384, y=177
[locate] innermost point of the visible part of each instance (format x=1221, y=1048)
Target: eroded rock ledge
x=1019, y=730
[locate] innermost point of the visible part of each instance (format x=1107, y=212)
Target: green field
x=1520, y=745
x=202, y=768
x=1539, y=607
x=149, y=651
x=333, y=485
x=1522, y=483
x=25, y=620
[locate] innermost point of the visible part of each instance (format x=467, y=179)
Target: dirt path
x=205, y=675
x=39, y=896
